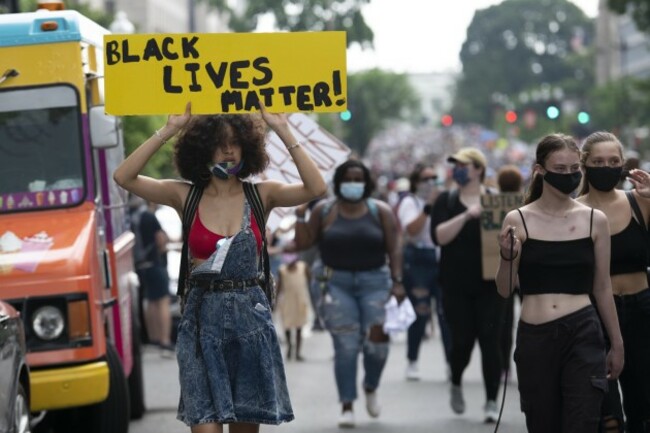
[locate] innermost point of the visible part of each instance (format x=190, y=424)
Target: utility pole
x=13, y=6
x=191, y=12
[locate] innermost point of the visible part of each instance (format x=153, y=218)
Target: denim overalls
x=235, y=372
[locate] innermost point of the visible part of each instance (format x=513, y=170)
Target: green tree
x=100, y=17
x=375, y=99
x=640, y=10
x=137, y=129
x=304, y=15
x=515, y=47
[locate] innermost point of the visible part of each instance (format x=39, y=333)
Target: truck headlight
x=48, y=323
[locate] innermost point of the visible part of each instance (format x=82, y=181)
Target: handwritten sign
x=325, y=150
x=225, y=73
x=495, y=208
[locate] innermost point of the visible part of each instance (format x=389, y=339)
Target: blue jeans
x=353, y=303
x=420, y=272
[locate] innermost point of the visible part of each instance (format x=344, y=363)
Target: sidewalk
x=413, y=407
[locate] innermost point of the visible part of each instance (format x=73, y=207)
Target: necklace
x=566, y=213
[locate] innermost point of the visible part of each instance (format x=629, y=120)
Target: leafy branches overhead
x=300, y=15
x=516, y=47
x=640, y=10
x=375, y=98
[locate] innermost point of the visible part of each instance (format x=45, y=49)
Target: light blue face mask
x=352, y=191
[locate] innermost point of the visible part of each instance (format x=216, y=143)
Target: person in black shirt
x=602, y=159
x=472, y=307
x=559, y=251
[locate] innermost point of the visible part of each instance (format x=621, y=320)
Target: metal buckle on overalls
x=225, y=284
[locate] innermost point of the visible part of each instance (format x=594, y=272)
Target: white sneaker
x=346, y=419
x=491, y=411
x=412, y=371
x=372, y=405
x=457, y=401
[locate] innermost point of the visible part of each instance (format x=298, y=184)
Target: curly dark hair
x=199, y=140
x=343, y=168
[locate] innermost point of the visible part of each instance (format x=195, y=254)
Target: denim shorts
x=237, y=373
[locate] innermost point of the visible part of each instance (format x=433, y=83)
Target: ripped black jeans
x=562, y=373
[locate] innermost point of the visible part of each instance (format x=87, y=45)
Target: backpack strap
x=189, y=210
x=372, y=208
x=253, y=197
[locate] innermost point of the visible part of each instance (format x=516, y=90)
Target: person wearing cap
x=420, y=263
x=473, y=308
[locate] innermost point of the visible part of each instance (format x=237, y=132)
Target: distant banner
x=225, y=73
x=495, y=208
x=327, y=151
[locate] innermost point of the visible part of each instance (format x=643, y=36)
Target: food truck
x=66, y=261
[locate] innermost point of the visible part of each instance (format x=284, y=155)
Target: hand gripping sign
x=225, y=73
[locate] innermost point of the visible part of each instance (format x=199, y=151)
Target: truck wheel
x=111, y=415
x=136, y=378
x=21, y=411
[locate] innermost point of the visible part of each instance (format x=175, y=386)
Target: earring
x=205, y=176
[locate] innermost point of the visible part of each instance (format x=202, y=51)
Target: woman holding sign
x=559, y=250
x=602, y=160
x=472, y=307
x=230, y=365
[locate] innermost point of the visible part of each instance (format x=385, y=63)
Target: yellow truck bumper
x=69, y=387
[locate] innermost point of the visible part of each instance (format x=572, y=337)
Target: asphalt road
x=413, y=407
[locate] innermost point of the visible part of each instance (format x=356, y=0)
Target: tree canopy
x=520, y=52
x=375, y=98
x=300, y=15
x=640, y=10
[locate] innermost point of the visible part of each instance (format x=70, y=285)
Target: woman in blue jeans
x=420, y=263
x=358, y=242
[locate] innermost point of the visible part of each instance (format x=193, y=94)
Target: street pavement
x=408, y=406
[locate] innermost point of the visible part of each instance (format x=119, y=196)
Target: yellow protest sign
x=495, y=207
x=225, y=73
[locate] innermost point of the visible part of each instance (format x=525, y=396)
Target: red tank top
x=202, y=242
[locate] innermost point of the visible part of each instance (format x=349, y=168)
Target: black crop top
x=629, y=250
x=557, y=266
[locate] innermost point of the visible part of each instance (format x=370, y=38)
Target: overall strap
x=253, y=197
x=189, y=210
x=523, y=221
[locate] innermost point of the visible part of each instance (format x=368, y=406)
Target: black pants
x=562, y=373
x=634, y=318
x=471, y=315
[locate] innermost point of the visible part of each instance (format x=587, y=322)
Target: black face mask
x=565, y=183
x=603, y=178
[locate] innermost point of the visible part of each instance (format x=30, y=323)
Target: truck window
x=41, y=148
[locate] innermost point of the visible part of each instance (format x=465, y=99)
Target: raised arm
x=127, y=175
x=279, y=194
x=602, y=293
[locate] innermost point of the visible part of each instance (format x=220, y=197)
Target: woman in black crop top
x=359, y=247
x=560, y=254
x=230, y=365
x=602, y=159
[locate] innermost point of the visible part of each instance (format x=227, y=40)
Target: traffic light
x=511, y=116
x=583, y=117
x=552, y=112
x=447, y=120
x=345, y=115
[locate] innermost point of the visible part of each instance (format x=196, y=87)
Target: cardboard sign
x=325, y=150
x=495, y=208
x=225, y=73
